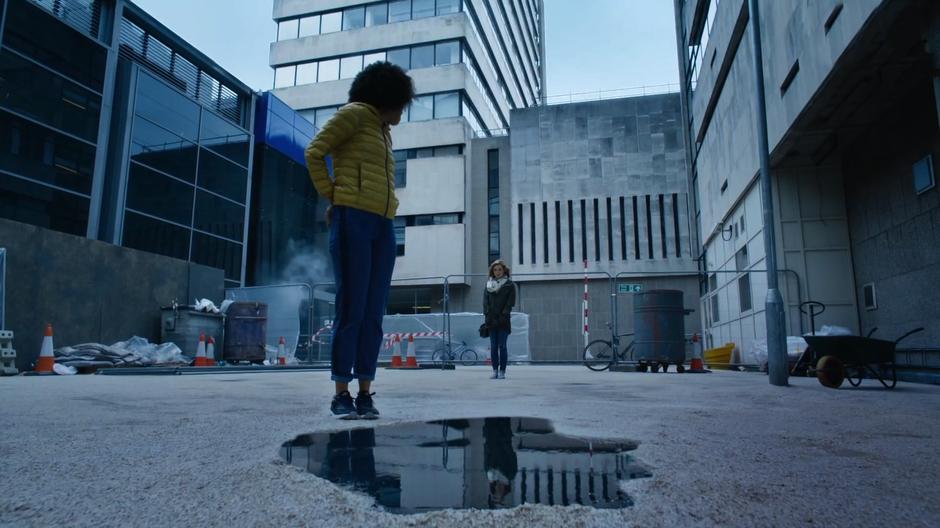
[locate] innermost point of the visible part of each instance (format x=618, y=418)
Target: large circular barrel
x=246, y=325
x=659, y=326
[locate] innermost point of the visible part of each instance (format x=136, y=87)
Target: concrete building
x=599, y=187
x=129, y=168
x=473, y=62
x=852, y=108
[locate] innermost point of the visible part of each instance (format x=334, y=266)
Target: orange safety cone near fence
x=697, y=366
x=396, y=352
x=411, y=361
x=201, y=351
x=46, y=357
x=281, y=352
x=210, y=352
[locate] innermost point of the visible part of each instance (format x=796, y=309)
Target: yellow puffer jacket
x=363, y=164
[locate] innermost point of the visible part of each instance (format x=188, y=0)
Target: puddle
x=482, y=463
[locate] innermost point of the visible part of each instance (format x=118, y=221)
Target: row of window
x=649, y=239
x=492, y=195
x=713, y=306
x=402, y=157
x=413, y=57
x=366, y=15
x=422, y=108
x=697, y=50
x=401, y=222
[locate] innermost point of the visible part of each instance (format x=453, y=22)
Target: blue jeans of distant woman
x=362, y=245
x=499, y=354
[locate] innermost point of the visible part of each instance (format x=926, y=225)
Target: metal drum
x=246, y=325
x=659, y=325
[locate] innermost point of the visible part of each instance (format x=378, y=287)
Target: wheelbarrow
x=850, y=357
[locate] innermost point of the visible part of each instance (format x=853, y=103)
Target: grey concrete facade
x=91, y=291
x=842, y=148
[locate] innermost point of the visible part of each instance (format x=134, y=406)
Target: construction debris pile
x=135, y=352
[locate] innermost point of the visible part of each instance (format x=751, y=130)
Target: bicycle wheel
x=469, y=357
x=436, y=356
x=598, y=355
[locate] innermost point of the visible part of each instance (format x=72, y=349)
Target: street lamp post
x=773, y=304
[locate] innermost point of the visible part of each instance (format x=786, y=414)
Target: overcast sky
x=591, y=45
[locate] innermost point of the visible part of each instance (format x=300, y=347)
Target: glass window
x=323, y=115
x=494, y=244
x=149, y=234
x=36, y=204
x=48, y=98
x=158, y=195
x=331, y=22
x=350, y=66
x=306, y=73
x=400, y=56
x=399, y=10
x=217, y=253
x=41, y=154
x=446, y=105
x=376, y=14
x=373, y=57
x=284, y=76
x=422, y=108
x=401, y=166
x=310, y=26
x=445, y=7
x=447, y=53
x=287, y=29
x=329, y=70
x=165, y=106
x=399, y=236
x=354, y=18
x=452, y=150
x=744, y=290
x=422, y=9
x=445, y=219
x=224, y=138
x=222, y=176
x=421, y=153
x=219, y=216
x=422, y=56
x=70, y=52
x=161, y=150
x=493, y=206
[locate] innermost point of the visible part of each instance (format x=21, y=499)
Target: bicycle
x=462, y=351
x=600, y=354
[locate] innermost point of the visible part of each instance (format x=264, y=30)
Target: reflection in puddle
x=473, y=463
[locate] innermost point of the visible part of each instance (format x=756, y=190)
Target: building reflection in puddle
x=470, y=463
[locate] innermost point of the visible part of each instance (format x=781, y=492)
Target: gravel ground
x=725, y=449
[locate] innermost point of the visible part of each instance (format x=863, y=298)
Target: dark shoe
x=365, y=407
x=343, y=407
x=502, y=374
x=495, y=375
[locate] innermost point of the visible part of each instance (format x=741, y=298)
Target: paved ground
x=725, y=449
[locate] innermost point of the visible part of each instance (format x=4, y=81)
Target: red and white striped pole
x=585, y=304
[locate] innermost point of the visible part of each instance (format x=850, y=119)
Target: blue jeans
x=362, y=245
x=499, y=354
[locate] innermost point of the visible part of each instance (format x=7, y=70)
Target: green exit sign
x=623, y=287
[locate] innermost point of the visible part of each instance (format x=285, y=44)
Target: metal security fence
x=3, y=287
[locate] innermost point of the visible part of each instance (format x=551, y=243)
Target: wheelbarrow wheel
x=830, y=372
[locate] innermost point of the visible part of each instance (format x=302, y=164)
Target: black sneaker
x=365, y=407
x=343, y=407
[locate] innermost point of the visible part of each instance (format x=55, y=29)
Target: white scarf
x=493, y=285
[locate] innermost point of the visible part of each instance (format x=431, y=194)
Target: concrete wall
x=431, y=251
x=618, y=149
x=896, y=232
x=435, y=185
x=91, y=291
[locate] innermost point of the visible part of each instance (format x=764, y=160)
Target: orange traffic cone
x=396, y=352
x=201, y=351
x=697, y=366
x=412, y=360
x=281, y=352
x=210, y=352
x=46, y=358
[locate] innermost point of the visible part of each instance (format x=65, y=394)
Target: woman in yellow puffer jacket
x=361, y=192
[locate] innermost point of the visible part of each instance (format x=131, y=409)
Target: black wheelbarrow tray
x=841, y=357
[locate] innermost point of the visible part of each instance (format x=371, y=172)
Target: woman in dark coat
x=498, y=300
